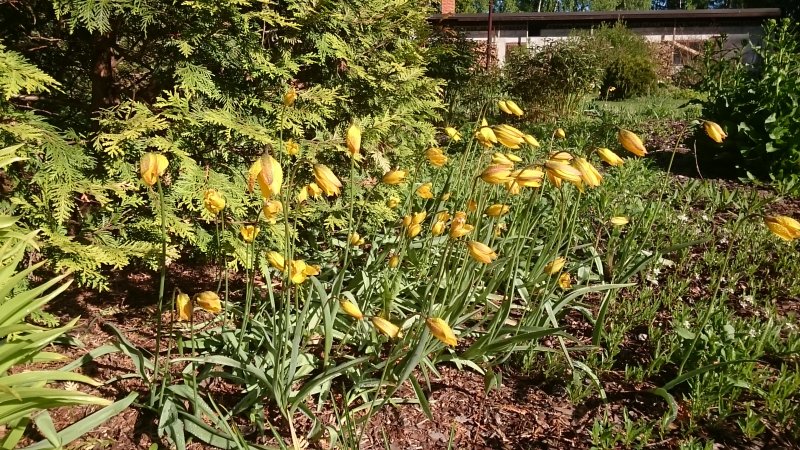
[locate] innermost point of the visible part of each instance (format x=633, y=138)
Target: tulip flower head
x=453, y=134
x=784, y=227
x=213, y=201
x=424, y=191
x=589, y=174
x=183, y=305
x=270, y=176
x=272, y=209
x=289, y=97
x=481, y=252
x=353, y=140
x=515, y=109
x=326, y=180
x=565, y=281
x=441, y=331
x=555, y=266
x=394, y=177
x=609, y=157
x=631, y=142
x=152, y=166
x=384, y=326
x=209, y=300
x=249, y=233
x=496, y=210
x=496, y=174
x=619, y=221
x=276, y=260
x=714, y=131
x=436, y=157
x=351, y=309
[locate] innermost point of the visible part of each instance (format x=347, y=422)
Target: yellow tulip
x=314, y=190
x=496, y=174
x=387, y=328
x=565, y=281
x=276, y=260
x=436, y=156
x=355, y=239
x=516, y=110
x=441, y=331
x=563, y=171
x=589, y=174
x=209, y=300
x=453, y=134
x=272, y=209
x=413, y=230
x=353, y=140
x=496, y=210
x=481, y=252
x=249, y=233
x=394, y=261
x=424, y=191
x=437, y=229
x=619, y=221
x=289, y=97
x=252, y=174
x=714, y=131
x=609, y=157
x=530, y=140
x=152, y=166
x=326, y=180
x=299, y=271
x=270, y=177
x=501, y=159
x=561, y=156
x=784, y=227
x=351, y=309
x=513, y=187
x=302, y=195
x=392, y=202
x=472, y=205
x=530, y=176
x=183, y=304
x=407, y=220
x=555, y=266
x=504, y=107
x=460, y=229
x=291, y=147
x=213, y=201
x=486, y=133
x=508, y=139
x=419, y=217
x=631, y=142
x=394, y=177
x=560, y=133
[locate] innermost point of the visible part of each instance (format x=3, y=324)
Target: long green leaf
x=88, y=423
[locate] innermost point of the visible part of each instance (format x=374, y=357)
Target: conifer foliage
x=88, y=87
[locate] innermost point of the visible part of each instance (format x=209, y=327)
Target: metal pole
x=489, y=36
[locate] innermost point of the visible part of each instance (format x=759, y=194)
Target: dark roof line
x=755, y=14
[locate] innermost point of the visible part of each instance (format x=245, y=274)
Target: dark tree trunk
x=105, y=92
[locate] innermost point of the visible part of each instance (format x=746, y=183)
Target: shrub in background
x=757, y=103
x=629, y=62
x=552, y=80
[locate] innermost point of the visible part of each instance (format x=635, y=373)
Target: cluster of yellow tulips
x=557, y=167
